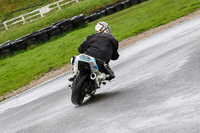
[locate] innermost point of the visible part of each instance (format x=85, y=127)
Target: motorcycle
x=85, y=84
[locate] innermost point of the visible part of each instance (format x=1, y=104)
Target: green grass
x=18, y=7
x=84, y=6
x=20, y=69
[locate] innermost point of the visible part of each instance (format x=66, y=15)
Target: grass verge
x=20, y=69
x=14, y=8
x=84, y=6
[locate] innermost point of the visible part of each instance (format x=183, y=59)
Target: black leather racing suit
x=101, y=46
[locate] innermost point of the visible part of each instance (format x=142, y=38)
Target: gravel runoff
x=54, y=73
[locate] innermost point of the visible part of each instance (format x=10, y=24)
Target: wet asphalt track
x=156, y=90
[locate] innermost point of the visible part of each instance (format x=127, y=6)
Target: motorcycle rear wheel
x=79, y=85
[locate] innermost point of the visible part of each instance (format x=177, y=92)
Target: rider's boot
x=74, y=74
x=110, y=72
x=100, y=77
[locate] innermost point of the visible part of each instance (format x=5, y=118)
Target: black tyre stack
x=41, y=35
x=118, y=7
x=18, y=45
x=126, y=4
x=94, y=16
x=62, y=26
x=30, y=39
x=78, y=21
x=5, y=49
x=53, y=31
x=133, y=2
x=140, y=1
x=109, y=10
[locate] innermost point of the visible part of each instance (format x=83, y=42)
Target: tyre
x=18, y=45
x=64, y=25
x=109, y=10
x=102, y=13
x=42, y=36
x=30, y=39
x=53, y=31
x=126, y=4
x=140, y=1
x=87, y=19
x=79, y=85
x=118, y=7
x=78, y=21
x=94, y=17
x=134, y=2
x=5, y=49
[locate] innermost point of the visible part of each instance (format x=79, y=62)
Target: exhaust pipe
x=93, y=76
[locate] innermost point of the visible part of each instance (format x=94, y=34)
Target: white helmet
x=102, y=27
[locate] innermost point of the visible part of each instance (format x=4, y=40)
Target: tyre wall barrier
x=53, y=31
x=109, y=10
x=94, y=17
x=140, y=1
x=30, y=39
x=118, y=7
x=87, y=19
x=102, y=13
x=18, y=45
x=134, y=2
x=78, y=21
x=5, y=49
x=41, y=35
x=126, y=4
x=62, y=26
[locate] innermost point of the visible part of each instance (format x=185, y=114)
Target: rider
x=102, y=46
